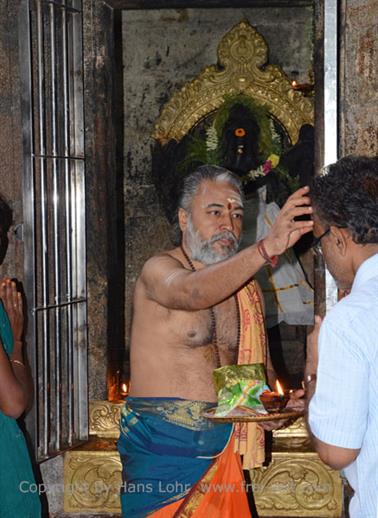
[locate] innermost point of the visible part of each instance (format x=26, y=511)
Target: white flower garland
x=211, y=138
x=212, y=142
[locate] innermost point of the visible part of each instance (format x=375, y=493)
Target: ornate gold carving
x=294, y=484
x=185, y=413
x=292, y=438
x=297, y=484
x=242, y=54
x=92, y=481
x=297, y=429
x=104, y=418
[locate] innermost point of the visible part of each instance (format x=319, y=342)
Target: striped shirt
x=344, y=409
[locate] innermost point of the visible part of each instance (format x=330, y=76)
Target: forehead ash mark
x=230, y=193
x=234, y=201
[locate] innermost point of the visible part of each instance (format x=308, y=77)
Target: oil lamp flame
x=124, y=389
x=279, y=388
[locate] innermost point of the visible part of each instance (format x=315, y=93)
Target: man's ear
x=341, y=239
x=183, y=219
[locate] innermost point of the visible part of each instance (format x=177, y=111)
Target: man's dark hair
x=346, y=196
x=213, y=173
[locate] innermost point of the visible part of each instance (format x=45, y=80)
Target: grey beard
x=202, y=250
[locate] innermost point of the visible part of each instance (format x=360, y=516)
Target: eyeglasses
x=316, y=246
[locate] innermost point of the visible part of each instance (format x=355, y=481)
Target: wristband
x=310, y=378
x=273, y=260
x=17, y=362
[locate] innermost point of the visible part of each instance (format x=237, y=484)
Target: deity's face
x=212, y=230
x=240, y=141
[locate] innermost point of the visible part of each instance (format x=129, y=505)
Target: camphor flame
x=124, y=388
x=279, y=388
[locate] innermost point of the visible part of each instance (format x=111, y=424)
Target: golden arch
x=242, y=54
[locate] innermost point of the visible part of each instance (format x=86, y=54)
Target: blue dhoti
x=165, y=446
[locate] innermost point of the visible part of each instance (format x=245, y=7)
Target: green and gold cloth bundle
x=239, y=385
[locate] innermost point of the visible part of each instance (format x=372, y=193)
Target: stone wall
x=101, y=204
x=162, y=50
x=10, y=134
x=359, y=78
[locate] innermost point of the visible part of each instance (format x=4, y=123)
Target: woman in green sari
x=18, y=491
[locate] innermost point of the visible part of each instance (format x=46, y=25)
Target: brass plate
x=248, y=416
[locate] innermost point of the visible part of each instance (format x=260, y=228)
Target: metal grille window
x=54, y=219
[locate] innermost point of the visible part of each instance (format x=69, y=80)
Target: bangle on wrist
x=309, y=378
x=272, y=260
x=18, y=362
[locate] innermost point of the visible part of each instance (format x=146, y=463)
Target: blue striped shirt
x=344, y=409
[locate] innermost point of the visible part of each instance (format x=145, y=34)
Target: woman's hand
x=16, y=385
x=13, y=305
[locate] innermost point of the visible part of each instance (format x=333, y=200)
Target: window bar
x=330, y=110
x=80, y=249
x=62, y=6
x=77, y=44
x=29, y=186
x=66, y=118
x=75, y=352
x=73, y=198
x=82, y=388
x=44, y=252
x=62, y=157
x=54, y=202
x=61, y=305
x=54, y=101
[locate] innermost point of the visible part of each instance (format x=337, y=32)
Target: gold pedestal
x=294, y=484
x=92, y=478
x=92, y=472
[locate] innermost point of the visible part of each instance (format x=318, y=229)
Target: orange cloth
x=250, y=441
x=168, y=511
x=219, y=494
